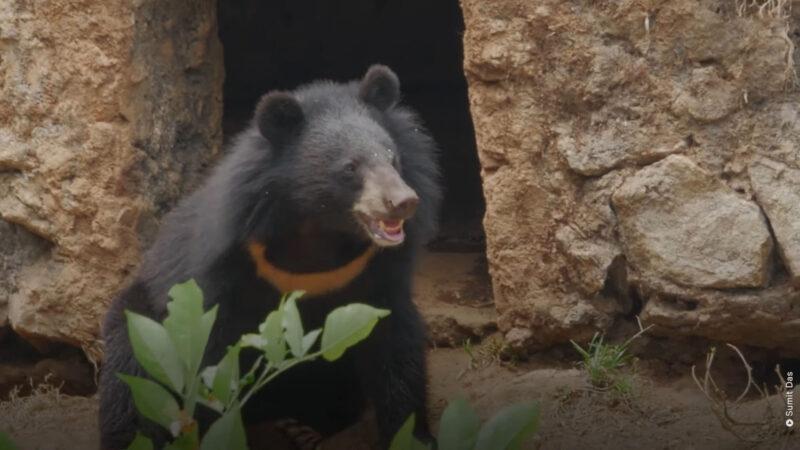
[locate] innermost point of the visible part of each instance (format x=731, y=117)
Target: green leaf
x=154, y=350
x=272, y=331
x=187, y=325
x=293, y=326
x=459, y=426
x=294, y=296
x=189, y=295
x=140, y=442
x=584, y=354
x=226, y=379
x=346, y=326
x=509, y=427
x=7, y=444
x=152, y=400
x=404, y=438
x=253, y=340
x=310, y=339
x=207, y=376
x=227, y=433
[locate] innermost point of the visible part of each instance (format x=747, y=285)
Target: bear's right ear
x=380, y=87
x=279, y=117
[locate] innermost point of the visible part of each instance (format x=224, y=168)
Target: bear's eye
x=351, y=167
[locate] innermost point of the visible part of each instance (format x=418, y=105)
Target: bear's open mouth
x=384, y=232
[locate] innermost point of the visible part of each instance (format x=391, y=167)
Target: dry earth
x=664, y=415
x=666, y=410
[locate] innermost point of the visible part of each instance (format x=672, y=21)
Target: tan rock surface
x=569, y=100
x=777, y=189
x=679, y=222
x=106, y=112
x=109, y=111
x=761, y=318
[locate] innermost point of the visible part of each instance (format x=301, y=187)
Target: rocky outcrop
x=664, y=107
x=681, y=223
x=761, y=318
x=706, y=97
x=18, y=249
x=777, y=188
x=682, y=115
x=107, y=111
x=610, y=146
x=589, y=259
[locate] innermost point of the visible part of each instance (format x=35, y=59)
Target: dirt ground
x=664, y=411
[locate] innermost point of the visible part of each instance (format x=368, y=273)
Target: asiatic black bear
x=332, y=190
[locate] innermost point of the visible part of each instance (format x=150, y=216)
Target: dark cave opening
x=283, y=44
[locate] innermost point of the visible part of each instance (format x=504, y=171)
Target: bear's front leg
x=393, y=372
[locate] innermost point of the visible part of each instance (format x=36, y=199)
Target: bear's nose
x=401, y=205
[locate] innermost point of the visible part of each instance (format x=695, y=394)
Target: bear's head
x=336, y=157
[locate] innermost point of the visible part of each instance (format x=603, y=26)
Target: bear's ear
x=279, y=117
x=380, y=87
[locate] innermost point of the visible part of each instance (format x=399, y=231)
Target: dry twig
x=768, y=429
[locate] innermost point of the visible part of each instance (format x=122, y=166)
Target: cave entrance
x=282, y=44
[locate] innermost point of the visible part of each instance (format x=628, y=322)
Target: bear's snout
x=386, y=195
x=386, y=201
x=401, y=202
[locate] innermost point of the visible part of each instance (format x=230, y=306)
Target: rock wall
x=639, y=157
x=107, y=110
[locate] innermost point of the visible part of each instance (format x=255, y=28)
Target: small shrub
x=172, y=353
x=604, y=362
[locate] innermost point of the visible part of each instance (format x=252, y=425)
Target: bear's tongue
x=391, y=226
x=391, y=229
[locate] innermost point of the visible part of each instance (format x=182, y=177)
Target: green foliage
x=460, y=429
x=346, y=326
x=7, y=444
x=459, y=426
x=604, y=363
x=155, y=351
x=153, y=401
x=227, y=432
x=187, y=324
x=509, y=427
x=140, y=442
x=173, y=352
x=404, y=438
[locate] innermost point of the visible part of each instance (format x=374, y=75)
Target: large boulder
x=679, y=222
x=107, y=111
x=777, y=188
x=665, y=110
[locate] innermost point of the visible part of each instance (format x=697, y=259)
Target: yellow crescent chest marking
x=314, y=283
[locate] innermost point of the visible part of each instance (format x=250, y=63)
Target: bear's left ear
x=279, y=117
x=380, y=87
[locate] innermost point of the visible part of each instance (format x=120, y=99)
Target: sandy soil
x=671, y=415
x=665, y=410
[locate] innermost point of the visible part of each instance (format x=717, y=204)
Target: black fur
x=294, y=193
x=279, y=118
x=380, y=88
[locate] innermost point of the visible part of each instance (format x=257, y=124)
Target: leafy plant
x=460, y=429
x=171, y=353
